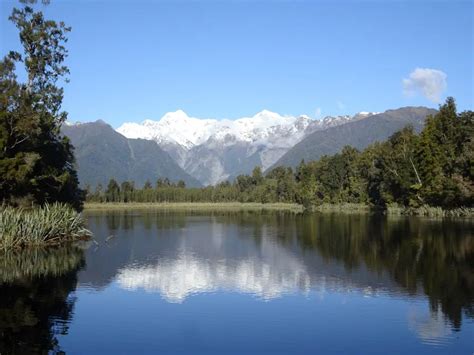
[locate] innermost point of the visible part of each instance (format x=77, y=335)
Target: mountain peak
x=101, y=121
x=363, y=114
x=266, y=114
x=178, y=115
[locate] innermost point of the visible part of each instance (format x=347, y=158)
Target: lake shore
x=210, y=206
x=346, y=208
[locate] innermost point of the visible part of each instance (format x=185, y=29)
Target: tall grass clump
x=430, y=211
x=53, y=224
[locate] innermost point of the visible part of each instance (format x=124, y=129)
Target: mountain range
x=358, y=134
x=208, y=151
x=102, y=153
x=215, y=150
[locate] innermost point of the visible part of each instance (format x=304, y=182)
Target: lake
x=245, y=283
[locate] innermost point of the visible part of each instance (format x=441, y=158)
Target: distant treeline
x=435, y=167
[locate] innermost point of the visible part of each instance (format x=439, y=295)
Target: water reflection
x=271, y=254
x=35, y=302
x=187, y=276
x=431, y=256
x=178, y=278
x=430, y=328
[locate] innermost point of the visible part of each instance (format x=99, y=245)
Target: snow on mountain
x=212, y=150
x=188, y=132
x=70, y=123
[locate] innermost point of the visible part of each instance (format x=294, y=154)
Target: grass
x=424, y=211
x=210, y=206
x=342, y=208
x=395, y=210
x=429, y=211
x=53, y=224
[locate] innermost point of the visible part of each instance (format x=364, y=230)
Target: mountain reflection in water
x=162, y=271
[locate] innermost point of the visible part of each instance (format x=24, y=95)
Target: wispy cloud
x=431, y=83
x=340, y=105
x=318, y=112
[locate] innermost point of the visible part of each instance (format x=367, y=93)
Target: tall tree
x=36, y=162
x=112, y=194
x=401, y=179
x=443, y=155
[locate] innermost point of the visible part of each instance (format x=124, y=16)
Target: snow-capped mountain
x=213, y=150
x=178, y=127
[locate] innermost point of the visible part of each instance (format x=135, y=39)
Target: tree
x=36, y=162
x=112, y=194
x=444, y=155
x=127, y=189
x=160, y=183
x=401, y=177
x=257, y=175
x=98, y=193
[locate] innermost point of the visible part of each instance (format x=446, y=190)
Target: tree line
x=434, y=167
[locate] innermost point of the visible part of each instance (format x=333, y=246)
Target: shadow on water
x=35, y=298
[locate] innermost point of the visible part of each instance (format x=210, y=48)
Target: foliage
x=36, y=162
x=48, y=225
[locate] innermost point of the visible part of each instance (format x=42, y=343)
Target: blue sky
x=133, y=60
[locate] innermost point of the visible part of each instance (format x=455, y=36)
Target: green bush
x=48, y=225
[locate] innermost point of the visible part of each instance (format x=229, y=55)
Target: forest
x=433, y=168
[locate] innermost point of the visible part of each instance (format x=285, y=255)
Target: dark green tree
x=444, y=156
x=36, y=161
x=147, y=185
x=112, y=194
x=257, y=175
x=127, y=191
x=401, y=179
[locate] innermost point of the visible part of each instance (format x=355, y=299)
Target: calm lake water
x=245, y=283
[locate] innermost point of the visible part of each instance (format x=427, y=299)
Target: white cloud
x=318, y=112
x=431, y=83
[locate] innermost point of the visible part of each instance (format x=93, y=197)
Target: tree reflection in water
x=432, y=256
x=35, y=301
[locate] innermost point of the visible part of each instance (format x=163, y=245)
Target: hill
x=102, y=153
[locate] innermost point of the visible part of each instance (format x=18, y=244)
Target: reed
x=52, y=224
x=198, y=206
x=346, y=208
x=430, y=211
